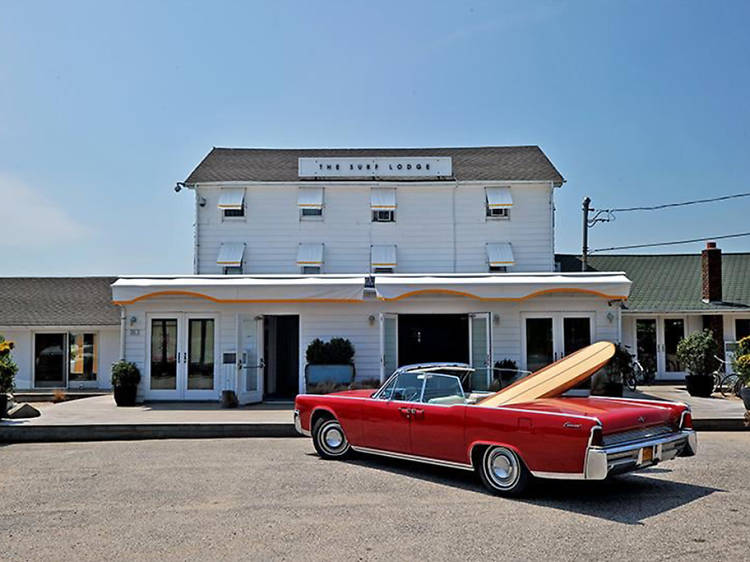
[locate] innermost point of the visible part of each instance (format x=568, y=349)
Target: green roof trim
x=672, y=282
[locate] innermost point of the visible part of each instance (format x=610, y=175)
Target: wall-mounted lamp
x=133, y=320
x=202, y=201
x=496, y=319
x=610, y=317
x=371, y=320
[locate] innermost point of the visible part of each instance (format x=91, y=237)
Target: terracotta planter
x=700, y=385
x=125, y=395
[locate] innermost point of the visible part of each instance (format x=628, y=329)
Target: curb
x=116, y=432
x=720, y=424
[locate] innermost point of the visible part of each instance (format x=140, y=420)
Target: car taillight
x=596, y=437
x=687, y=420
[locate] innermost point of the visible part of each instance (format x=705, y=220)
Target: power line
x=676, y=242
x=668, y=205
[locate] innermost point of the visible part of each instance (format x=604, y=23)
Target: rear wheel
x=502, y=471
x=330, y=440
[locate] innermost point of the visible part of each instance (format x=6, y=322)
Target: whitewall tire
x=503, y=472
x=330, y=440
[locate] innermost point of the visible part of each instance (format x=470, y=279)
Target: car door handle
x=417, y=412
x=406, y=412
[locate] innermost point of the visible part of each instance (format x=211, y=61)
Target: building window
x=233, y=270
x=234, y=213
x=382, y=270
x=82, y=357
x=498, y=269
x=742, y=328
x=498, y=213
x=310, y=269
x=383, y=216
x=310, y=213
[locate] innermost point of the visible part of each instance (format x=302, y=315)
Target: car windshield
x=405, y=386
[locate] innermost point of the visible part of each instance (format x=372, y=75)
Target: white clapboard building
x=414, y=255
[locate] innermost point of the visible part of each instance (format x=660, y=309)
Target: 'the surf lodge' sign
x=426, y=166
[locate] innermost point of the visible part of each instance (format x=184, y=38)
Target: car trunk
x=616, y=415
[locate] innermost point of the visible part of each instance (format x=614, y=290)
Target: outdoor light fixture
x=202, y=201
x=496, y=319
x=133, y=320
x=610, y=317
x=371, y=319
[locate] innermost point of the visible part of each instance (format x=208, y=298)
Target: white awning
x=242, y=289
x=383, y=255
x=310, y=197
x=230, y=254
x=382, y=199
x=310, y=254
x=504, y=287
x=500, y=254
x=499, y=197
x=231, y=198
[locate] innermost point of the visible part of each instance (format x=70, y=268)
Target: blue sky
x=105, y=105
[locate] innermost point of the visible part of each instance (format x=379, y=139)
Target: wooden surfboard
x=556, y=378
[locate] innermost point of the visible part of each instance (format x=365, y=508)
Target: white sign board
x=425, y=166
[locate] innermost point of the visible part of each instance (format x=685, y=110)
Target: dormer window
x=383, y=204
x=310, y=203
x=232, y=203
x=498, y=202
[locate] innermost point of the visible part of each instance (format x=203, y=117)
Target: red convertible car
x=527, y=430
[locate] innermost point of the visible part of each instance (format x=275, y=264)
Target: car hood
x=614, y=414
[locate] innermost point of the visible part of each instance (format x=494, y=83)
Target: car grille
x=636, y=434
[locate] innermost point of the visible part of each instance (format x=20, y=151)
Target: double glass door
x=656, y=342
x=182, y=357
x=549, y=337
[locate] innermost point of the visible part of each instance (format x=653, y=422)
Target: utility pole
x=585, y=248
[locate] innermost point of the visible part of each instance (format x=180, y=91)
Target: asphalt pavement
x=273, y=499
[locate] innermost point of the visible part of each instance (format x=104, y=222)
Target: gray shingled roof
x=672, y=282
x=57, y=301
x=481, y=163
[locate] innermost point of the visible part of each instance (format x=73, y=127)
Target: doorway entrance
x=281, y=369
x=549, y=337
x=181, y=357
x=656, y=340
x=406, y=339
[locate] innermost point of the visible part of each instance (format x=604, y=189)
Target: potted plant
x=8, y=370
x=741, y=366
x=330, y=365
x=697, y=353
x=125, y=379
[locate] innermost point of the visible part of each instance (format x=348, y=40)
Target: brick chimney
x=711, y=273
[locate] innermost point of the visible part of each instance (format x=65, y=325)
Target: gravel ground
x=241, y=499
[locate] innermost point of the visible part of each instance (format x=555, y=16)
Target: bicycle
x=726, y=383
x=638, y=375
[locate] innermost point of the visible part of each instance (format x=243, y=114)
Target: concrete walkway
x=98, y=418
x=715, y=413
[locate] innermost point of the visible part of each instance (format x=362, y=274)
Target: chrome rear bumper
x=601, y=461
x=298, y=425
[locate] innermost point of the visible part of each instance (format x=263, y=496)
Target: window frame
x=429, y=376
x=302, y=269
x=240, y=267
x=390, y=212
x=497, y=268
x=234, y=217
x=489, y=212
x=318, y=216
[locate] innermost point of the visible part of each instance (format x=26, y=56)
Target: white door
x=479, y=350
x=549, y=336
x=182, y=357
x=388, y=344
x=669, y=333
x=251, y=360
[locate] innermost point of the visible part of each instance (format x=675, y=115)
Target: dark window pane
x=577, y=334
x=645, y=337
x=674, y=331
x=49, y=360
x=200, y=354
x=742, y=328
x=538, y=343
x=163, y=354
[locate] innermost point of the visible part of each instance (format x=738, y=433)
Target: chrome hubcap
x=502, y=468
x=333, y=438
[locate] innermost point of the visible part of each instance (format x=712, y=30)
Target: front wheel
x=330, y=440
x=503, y=473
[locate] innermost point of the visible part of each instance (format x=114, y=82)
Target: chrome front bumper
x=298, y=425
x=601, y=461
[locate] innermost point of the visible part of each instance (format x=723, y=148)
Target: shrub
x=741, y=363
x=338, y=351
x=125, y=373
x=8, y=367
x=509, y=370
x=697, y=353
x=620, y=365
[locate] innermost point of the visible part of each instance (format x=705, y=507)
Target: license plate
x=647, y=454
